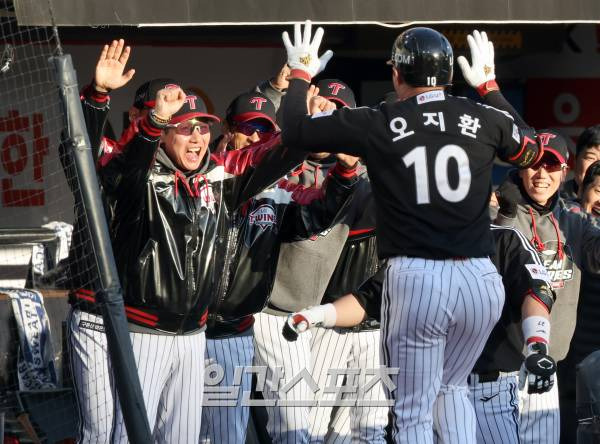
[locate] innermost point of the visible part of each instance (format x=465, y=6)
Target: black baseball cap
x=145, y=95
x=554, y=143
x=193, y=107
x=337, y=91
x=251, y=106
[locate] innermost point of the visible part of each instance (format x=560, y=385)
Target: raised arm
x=517, y=143
x=315, y=209
x=344, y=130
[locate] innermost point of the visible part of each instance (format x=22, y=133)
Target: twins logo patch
x=264, y=217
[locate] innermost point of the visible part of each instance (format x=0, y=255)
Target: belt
x=486, y=377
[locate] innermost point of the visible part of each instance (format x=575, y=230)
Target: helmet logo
x=404, y=59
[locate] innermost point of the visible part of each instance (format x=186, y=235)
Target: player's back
x=430, y=167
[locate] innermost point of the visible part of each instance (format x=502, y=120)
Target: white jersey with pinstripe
x=284, y=360
x=227, y=422
x=164, y=377
x=366, y=419
x=505, y=414
x=436, y=317
x=540, y=416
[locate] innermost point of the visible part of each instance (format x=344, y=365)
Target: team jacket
x=429, y=159
x=168, y=226
x=358, y=260
x=567, y=242
x=586, y=338
x=283, y=213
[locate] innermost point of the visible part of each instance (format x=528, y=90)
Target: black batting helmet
x=424, y=57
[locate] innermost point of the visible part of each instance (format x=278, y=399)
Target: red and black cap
x=555, y=144
x=145, y=95
x=193, y=108
x=337, y=91
x=251, y=106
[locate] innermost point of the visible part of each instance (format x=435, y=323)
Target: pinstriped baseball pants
x=169, y=367
x=436, y=318
x=359, y=416
x=227, y=422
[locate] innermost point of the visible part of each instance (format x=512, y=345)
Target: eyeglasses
x=188, y=127
x=249, y=128
x=552, y=166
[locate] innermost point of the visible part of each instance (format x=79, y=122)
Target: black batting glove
x=538, y=369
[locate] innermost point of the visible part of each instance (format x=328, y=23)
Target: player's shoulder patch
x=538, y=271
x=431, y=96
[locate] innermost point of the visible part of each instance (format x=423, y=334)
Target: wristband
x=487, y=87
x=536, y=329
x=300, y=74
x=158, y=121
x=329, y=315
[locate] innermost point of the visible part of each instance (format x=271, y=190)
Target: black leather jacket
x=167, y=225
x=285, y=212
x=358, y=260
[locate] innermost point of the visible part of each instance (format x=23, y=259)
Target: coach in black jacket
x=171, y=199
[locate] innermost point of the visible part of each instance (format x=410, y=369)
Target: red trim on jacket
x=362, y=231
x=141, y=319
x=238, y=161
x=135, y=311
x=203, y=318
x=146, y=126
x=89, y=92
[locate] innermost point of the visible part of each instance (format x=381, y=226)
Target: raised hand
x=168, y=102
x=110, y=70
x=481, y=69
x=303, y=54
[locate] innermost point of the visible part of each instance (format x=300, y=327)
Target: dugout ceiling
x=220, y=12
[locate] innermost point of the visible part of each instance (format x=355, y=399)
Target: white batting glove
x=481, y=69
x=303, y=54
x=301, y=321
x=538, y=369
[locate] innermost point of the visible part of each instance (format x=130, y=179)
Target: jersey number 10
x=418, y=157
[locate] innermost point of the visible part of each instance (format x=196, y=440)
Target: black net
x=45, y=253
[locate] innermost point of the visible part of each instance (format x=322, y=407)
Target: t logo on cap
x=545, y=138
x=258, y=102
x=335, y=88
x=191, y=100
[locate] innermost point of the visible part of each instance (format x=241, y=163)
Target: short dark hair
x=590, y=174
x=589, y=137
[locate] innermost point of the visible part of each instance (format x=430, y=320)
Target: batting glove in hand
x=303, y=54
x=481, y=69
x=299, y=322
x=538, y=369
